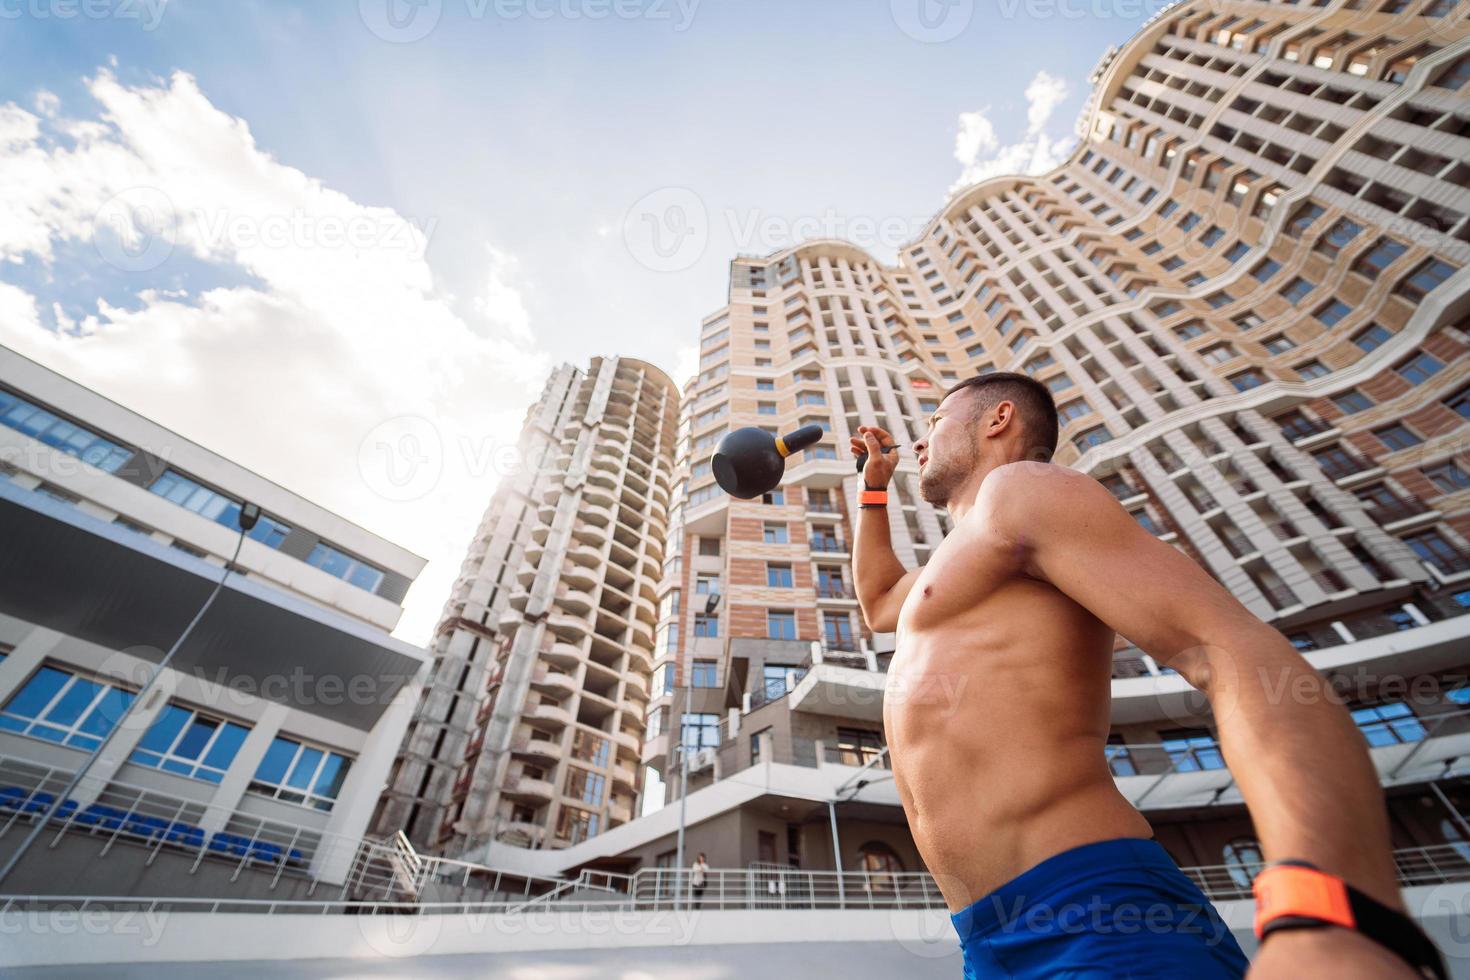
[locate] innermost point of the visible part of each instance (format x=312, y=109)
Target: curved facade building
x=1247, y=290
x=530, y=732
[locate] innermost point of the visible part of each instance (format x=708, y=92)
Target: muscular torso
x=996, y=715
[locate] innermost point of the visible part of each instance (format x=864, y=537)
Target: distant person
x=697, y=879
x=997, y=714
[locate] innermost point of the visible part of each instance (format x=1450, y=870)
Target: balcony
x=550, y=714
x=554, y=682
x=528, y=790
x=1385, y=513
x=828, y=546
x=836, y=591
x=1304, y=428
x=545, y=749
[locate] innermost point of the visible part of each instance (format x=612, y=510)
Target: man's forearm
x=1301, y=763
x=875, y=565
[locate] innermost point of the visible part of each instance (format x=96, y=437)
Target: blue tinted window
x=77, y=699
x=17, y=413
x=37, y=693
x=305, y=768
x=277, y=758
x=196, y=736
x=225, y=746
x=165, y=730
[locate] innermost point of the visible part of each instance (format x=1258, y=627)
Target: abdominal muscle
x=996, y=720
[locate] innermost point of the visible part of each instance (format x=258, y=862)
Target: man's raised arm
x=882, y=582
x=1299, y=760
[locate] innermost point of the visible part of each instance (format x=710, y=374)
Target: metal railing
x=760, y=886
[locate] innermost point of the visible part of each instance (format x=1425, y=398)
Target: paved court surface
x=776, y=961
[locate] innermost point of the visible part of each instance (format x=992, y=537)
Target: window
x=765, y=408
x=1119, y=761
x=1350, y=402
x=706, y=624
x=179, y=489
x=1459, y=403
x=1092, y=437
x=778, y=576
x=1448, y=477
x=1388, y=724
x=1266, y=269
x=1062, y=382
x=773, y=679
x=1145, y=521
x=765, y=384
x=56, y=432
x=1192, y=750
x=1397, y=436
x=1236, y=252
x=1278, y=344
x=775, y=534
x=1433, y=548
x=780, y=624
x=775, y=498
x=811, y=398
x=1333, y=312
x=1312, y=369
x=295, y=772
x=575, y=825
x=699, y=731
x=1382, y=255
x=1372, y=337
x=1243, y=861
x=62, y=707
x=1456, y=75
x=1189, y=330
x=858, y=746
x=585, y=786
x=1074, y=409
x=1218, y=353
x=706, y=583
x=354, y=571
x=1425, y=278
x=704, y=673
x=1419, y=368
x=837, y=629
x=709, y=547
x=185, y=742
x=1247, y=379
x=1297, y=290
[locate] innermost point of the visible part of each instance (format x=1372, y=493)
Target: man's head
x=986, y=420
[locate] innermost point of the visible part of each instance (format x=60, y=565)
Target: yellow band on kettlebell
x=781, y=447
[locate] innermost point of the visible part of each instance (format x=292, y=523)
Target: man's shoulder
x=1022, y=489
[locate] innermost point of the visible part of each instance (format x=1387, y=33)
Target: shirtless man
x=1045, y=865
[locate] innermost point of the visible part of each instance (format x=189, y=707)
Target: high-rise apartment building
x=530, y=729
x=1247, y=291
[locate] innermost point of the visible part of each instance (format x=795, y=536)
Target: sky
x=343, y=243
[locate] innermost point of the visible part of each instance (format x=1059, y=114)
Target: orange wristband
x=873, y=498
x=1288, y=890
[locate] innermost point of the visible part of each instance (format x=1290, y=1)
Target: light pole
x=249, y=515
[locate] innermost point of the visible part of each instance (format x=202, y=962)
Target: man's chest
x=969, y=567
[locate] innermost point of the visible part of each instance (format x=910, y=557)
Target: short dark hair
x=1033, y=400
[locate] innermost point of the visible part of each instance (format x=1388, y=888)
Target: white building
x=264, y=747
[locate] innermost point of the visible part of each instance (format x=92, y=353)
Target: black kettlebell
x=749, y=462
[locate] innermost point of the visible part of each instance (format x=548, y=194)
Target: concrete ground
x=777, y=961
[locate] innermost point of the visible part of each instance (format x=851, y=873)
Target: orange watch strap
x=1289, y=890
x=873, y=498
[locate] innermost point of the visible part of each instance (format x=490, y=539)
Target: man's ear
x=1001, y=418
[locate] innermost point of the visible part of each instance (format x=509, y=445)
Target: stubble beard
x=941, y=478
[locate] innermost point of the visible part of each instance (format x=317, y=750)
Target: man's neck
x=962, y=501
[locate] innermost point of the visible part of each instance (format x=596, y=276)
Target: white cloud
x=501, y=303
x=980, y=153
x=339, y=328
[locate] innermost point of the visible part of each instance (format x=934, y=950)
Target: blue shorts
x=1116, y=908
